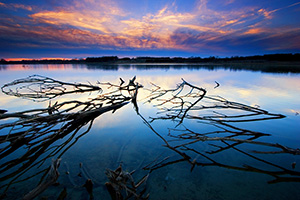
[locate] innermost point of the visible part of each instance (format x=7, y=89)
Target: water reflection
x=185, y=107
x=213, y=132
x=38, y=130
x=183, y=103
x=267, y=68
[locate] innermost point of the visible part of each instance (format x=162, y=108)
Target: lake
x=191, y=133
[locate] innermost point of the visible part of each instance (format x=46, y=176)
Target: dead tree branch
x=38, y=130
x=121, y=185
x=41, y=88
x=189, y=102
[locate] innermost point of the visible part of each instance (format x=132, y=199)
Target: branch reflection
x=203, y=127
x=34, y=134
x=187, y=105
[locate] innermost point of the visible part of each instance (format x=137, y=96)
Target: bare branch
x=41, y=88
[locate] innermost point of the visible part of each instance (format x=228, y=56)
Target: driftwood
x=41, y=88
x=189, y=102
x=121, y=185
x=37, y=130
x=182, y=102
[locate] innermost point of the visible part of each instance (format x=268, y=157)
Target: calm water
x=217, y=169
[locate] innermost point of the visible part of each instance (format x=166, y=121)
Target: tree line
x=290, y=57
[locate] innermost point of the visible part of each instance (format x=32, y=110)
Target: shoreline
x=263, y=66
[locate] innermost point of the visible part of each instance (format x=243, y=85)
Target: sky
x=85, y=28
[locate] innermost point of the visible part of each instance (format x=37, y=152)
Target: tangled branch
x=189, y=102
x=41, y=88
x=38, y=130
x=122, y=185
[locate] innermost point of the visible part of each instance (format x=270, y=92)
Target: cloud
x=283, y=40
x=265, y=13
x=79, y=20
x=269, y=14
x=99, y=16
x=146, y=32
x=254, y=31
x=68, y=37
x=160, y=24
x=16, y=6
x=21, y=6
x=105, y=25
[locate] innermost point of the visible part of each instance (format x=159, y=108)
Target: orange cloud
x=151, y=30
x=87, y=38
x=265, y=13
x=106, y=25
x=159, y=25
x=78, y=19
x=254, y=31
x=268, y=15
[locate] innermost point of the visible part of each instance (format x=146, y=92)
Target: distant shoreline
x=268, y=67
x=266, y=63
x=288, y=57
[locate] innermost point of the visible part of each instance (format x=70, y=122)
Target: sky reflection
x=274, y=91
x=123, y=135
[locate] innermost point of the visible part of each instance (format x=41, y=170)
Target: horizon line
x=131, y=57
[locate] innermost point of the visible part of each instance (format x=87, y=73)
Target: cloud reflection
x=277, y=93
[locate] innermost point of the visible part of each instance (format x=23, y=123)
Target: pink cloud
x=78, y=19
x=16, y=6
x=106, y=25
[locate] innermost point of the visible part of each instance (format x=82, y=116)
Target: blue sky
x=82, y=28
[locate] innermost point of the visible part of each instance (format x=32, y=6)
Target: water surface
x=235, y=172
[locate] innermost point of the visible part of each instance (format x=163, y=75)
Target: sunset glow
x=75, y=29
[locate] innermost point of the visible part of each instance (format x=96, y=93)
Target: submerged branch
x=51, y=178
x=121, y=185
